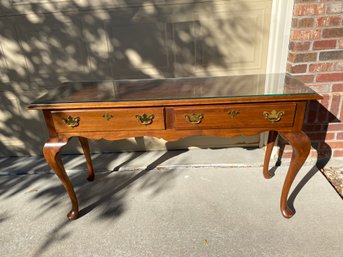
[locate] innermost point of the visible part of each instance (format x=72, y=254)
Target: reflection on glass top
x=175, y=88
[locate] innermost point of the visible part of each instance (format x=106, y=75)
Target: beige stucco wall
x=43, y=43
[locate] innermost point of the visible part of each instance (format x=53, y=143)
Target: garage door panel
x=44, y=43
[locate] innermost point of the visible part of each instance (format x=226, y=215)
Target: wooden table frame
x=171, y=123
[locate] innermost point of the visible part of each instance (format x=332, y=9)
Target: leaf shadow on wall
x=40, y=48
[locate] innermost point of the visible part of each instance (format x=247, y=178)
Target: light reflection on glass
x=175, y=88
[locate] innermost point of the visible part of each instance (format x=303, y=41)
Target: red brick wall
x=316, y=57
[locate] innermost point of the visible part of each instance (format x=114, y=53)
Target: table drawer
x=109, y=119
x=234, y=116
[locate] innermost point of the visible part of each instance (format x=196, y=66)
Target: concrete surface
x=197, y=203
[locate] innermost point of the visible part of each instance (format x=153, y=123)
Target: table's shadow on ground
x=125, y=179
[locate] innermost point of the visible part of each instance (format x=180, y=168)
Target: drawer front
x=109, y=119
x=234, y=116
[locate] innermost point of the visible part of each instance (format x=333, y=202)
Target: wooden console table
x=176, y=108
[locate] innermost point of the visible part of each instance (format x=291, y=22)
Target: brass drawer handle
x=71, y=121
x=273, y=116
x=145, y=119
x=233, y=113
x=194, y=118
x=107, y=116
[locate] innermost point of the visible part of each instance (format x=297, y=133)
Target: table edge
x=175, y=102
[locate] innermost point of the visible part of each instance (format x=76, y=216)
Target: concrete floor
x=197, y=203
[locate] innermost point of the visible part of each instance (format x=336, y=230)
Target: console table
x=176, y=108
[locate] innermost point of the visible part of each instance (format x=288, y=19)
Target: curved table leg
x=51, y=153
x=271, y=141
x=86, y=151
x=301, y=148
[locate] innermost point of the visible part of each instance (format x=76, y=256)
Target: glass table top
x=175, y=88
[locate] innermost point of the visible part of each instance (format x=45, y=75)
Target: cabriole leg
x=271, y=141
x=51, y=152
x=301, y=148
x=86, y=151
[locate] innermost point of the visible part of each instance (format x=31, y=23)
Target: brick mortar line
x=303, y=40
x=318, y=51
x=313, y=39
x=315, y=50
x=317, y=15
x=320, y=73
x=340, y=108
x=339, y=111
x=314, y=16
x=317, y=57
x=320, y=3
x=330, y=103
x=311, y=45
x=317, y=27
x=315, y=62
x=330, y=72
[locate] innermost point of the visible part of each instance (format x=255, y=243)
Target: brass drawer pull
x=194, y=118
x=273, y=116
x=71, y=121
x=107, y=116
x=233, y=113
x=145, y=119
